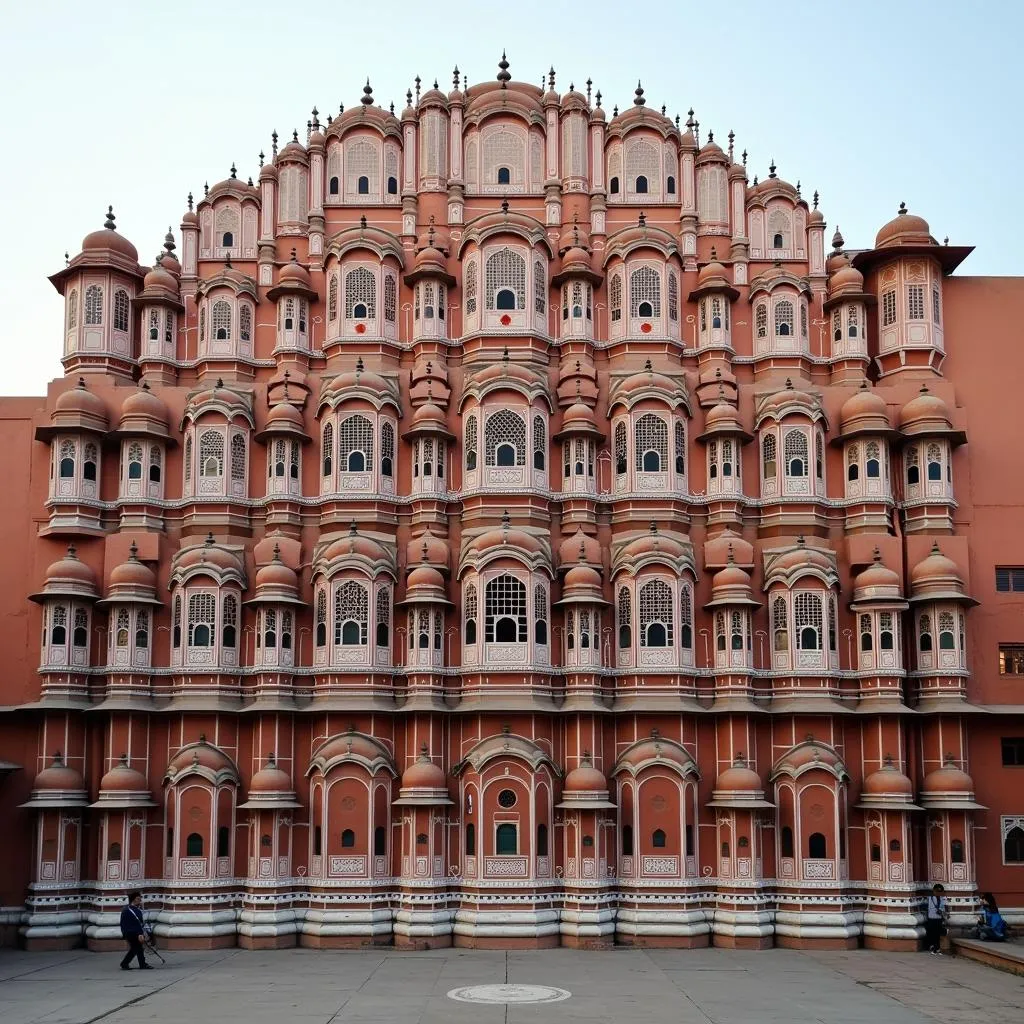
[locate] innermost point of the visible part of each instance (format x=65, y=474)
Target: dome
x=888, y=781
x=108, y=240
x=270, y=779
x=80, y=402
x=846, y=281
x=424, y=783
x=937, y=578
x=864, y=412
x=430, y=261
x=58, y=785
x=582, y=576
x=425, y=584
x=585, y=779
x=712, y=274
x=68, y=577
x=160, y=280
x=506, y=536
x=739, y=786
x=788, y=400
x=133, y=573
x=424, y=576
x=293, y=151
x=731, y=586
x=436, y=550
x=726, y=547
x=948, y=788
x=144, y=405
x=723, y=418
x=926, y=414
x=653, y=542
x=355, y=543
x=201, y=758
x=876, y=583
x=582, y=583
x=802, y=557
x=123, y=787
x=711, y=153
x=277, y=576
x=295, y=274
x=577, y=420
x=904, y=229
x=285, y=414
x=208, y=555
x=570, y=548
x=428, y=418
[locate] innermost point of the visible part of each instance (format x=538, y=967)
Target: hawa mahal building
x=505, y=523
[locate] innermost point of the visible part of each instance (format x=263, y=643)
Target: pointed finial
x=109, y=222
x=642, y=219
x=504, y=356
x=455, y=76
x=503, y=76
x=789, y=383
x=209, y=539
x=359, y=365
x=663, y=110
x=771, y=169
x=815, y=198
x=638, y=95
x=249, y=182
x=583, y=549
x=67, y=258
x=732, y=137
x=234, y=170
x=755, y=179
x=295, y=135
x=506, y=521
x=653, y=528
x=424, y=754
x=647, y=366
x=408, y=97
x=316, y=118
x=362, y=221
x=743, y=157
x=551, y=78
x=273, y=142
x=729, y=557
x=800, y=540
x=689, y=119
x=367, y=98
x=902, y=211
x=352, y=531
x=711, y=137
x=391, y=106
x=677, y=122
x=227, y=262
x=589, y=84
x=133, y=552
x=945, y=240
x=417, y=83
x=597, y=98
x=798, y=188
x=191, y=202
x=837, y=240
x=504, y=206
x=876, y=555
x=615, y=110
x=714, y=254
x=72, y=552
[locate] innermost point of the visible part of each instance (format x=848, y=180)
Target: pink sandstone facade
x=503, y=524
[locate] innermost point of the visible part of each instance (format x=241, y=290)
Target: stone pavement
x=708, y=986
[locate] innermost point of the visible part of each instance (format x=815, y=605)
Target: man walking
x=935, y=917
x=133, y=927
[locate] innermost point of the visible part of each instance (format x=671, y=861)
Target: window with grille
x=888, y=308
x=574, y=147
x=736, y=631
x=768, y=456
x=644, y=292
x=202, y=323
x=503, y=151
x=387, y=449
x=795, y=448
x=837, y=325
x=176, y=623
x=761, y=320
x=471, y=613
x=853, y=462
x=469, y=283
x=229, y=628
x=121, y=628
x=910, y=460
x=680, y=432
x=93, y=305
x=120, y=310
x=321, y=618
x=625, y=617
x=332, y=298
x=934, y=461
x=1010, y=579
x=673, y=296
x=220, y=320
x=807, y=618
x=685, y=616
x=924, y=633
x=187, y=459
x=713, y=460
x=783, y=318
x=211, y=453
x=237, y=458
x=651, y=443
x=505, y=610
x=778, y=228
x=156, y=460
x=947, y=641
x=642, y=168
x=72, y=309
x=355, y=444
x=539, y=442
x=621, y=447
x=819, y=455
x=89, y=462
x=245, y=322
x=540, y=615
x=351, y=606
x=655, y=608
x=277, y=465
x=539, y=288
x=615, y=297
x=390, y=298
x=135, y=461
x=915, y=302
x=471, y=442
x=1011, y=659
x=142, y=629
x=1013, y=751
x=780, y=626
x=327, y=449
x=505, y=439
x=362, y=169
x=505, y=280
x=58, y=625
x=935, y=307
x=803, y=319
x=201, y=618
x=873, y=463
x=852, y=321
x=383, y=610
x=360, y=294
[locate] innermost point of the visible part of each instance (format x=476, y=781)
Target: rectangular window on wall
x=1011, y=659
x=915, y=302
x=1013, y=751
x=888, y=308
x=1010, y=579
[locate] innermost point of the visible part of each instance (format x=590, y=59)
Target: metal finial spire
x=503, y=76
x=615, y=110
x=408, y=97
x=597, y=98
x=316, y=118
x=771, y=169
x=815, y=198
x=551, y=77
x=109, y=222
x=273, y=143
x=206, y=188
x=638, y=95
x=837, y=240
x=169, y=245
x=367, y=98
x=295, y=135
x=743, y=157
x=455, y=76
x=234, y=170
x=732, y=138
x=589, y=84
x=191, y=202
x=262, y=157
x=416, y=81
x=642, y=219
x=689, y=119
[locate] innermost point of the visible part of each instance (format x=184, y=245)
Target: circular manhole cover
x=508, y=994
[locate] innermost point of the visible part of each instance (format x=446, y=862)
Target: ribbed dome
x=436, y=550
x=294, y=273
x=80, y=401
x=713, y=275
x=69, y=577
x=723, y=418
x=58, y=776
x=936, y=577
x=424, y=576
x=888, y=781
x=143, y=404
x=876, y=583
x=284, y=414
x=133, y=573
x=430, y=261
x=925, y=413
x=122, y=778
x=424, y=774
x=579, y=419
x=863, y=411
x=270, y=779
x=585, y=779
x=948, y=779
x=739, y=779
x=429, y=414
x=582, y=576
x=159, y=279
x=107, y=239
x=846, y=281
x=276, y=575
x=904, y=229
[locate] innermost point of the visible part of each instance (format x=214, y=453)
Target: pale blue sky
x=135, y=104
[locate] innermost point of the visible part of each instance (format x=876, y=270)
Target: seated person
x=991, y=926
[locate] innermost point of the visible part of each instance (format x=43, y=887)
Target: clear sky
x=134, y=104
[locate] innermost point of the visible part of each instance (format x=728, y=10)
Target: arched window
x=93, y=305
x=505, y=610
x=947, y=641
x=72, y=309
x=363, y=185
x=505, y=439
x=866, y=639
x=238, y=458
x=886, y=636
x=120, y=310
x=873, y=465
x=934, y=459
x=736, y=631
x=332, y=185
x=201, y=617
x=89, y=463
x=355, y=444
x=761, y=320
x=321, y=618
x=807, y=609
x=223, y=841
x=80, y=633
x=1013, y=845
x=658, y=839
x=956, y=851
x=783, y=318
x=780, y=628
x=332, y=298
x=176, y=626
x=613, y=185
x=786, y=841
x=542, y=840
x=135, y=461
x=194, y=845
x=641, y=184
x=59, y=625
x=795, y=445
x=816, y=846
x=615, y=297
x=470, y=840
x=471, y=442
x=540, y=291
x=768, y=456
x=121, y=628
x=351, y=613
x=685, y=616
x=651, y=443
x=924, y=633
x=469, y=285
x=66, y=468
x=852, y=466
x=270, y=628
x=505, y=280
x=245, y=321
x=392, y=185
x=387, y=449
x=670, y=185
x=227, y=240
x=656, y=619
x=229, y=632
x=383, y=610
x=142, y=630
x=645, y=292
x=621, y=447
x=471, y=613
x=504, y=176
x=327, y=449
x=114, y=851
x=540, y=615
x=390, y=298
x=506, y=840
x=680, y=432
x=539, y=442
x=348, y=839
x=220, y=318
x=360, y=294
x=910, y=459
x=155, y=463
x=625, y=620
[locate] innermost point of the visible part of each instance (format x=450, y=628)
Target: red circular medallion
x=506, y=320
x=646, y=328
x=361, y=328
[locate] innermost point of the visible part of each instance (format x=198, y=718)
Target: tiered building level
x=506, y=524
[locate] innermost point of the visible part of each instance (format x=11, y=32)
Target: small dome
x=846, y=280
x=293, y=151
x=354, y=543
x=122, y=778
x=711, y=153
x=864, y=411
x=570, y=548
x=284, y=414
x=727, y=546
x=936, y=577
x=815, y=218
x=208, y=554
x=739, y=779
x=888, y=781
x=276, y=575
x=143, y=404
x=731, y=586
x=202, y=756
x=652, y=542
x=585, y=779
x=582, y=576
x=108, y=240
x=876, y=583
x=713, y=275
x=424, y=774
x=436, y=550
x=71, y=573
x=159, y=279
x=58, y=776
x=948, y=779
x=801, y=557
x=133, y=574
x=80, y=401
x=429, y=414
x=425, y=585
x=430, y=261
x=579, y=419
x=270, y=779
x=904, y=229
x=294, y=273
x=424, y=575
x=723, y=418
x=924, y=414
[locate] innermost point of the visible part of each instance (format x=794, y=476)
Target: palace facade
x=503, y=523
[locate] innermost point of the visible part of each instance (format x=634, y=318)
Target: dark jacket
x=131, y=921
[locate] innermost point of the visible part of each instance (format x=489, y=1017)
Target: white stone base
x=903, y=925
x=423, y=924
x=53, y=924
x=195, y=924
x=744, y=924
x=818, y=924
x=506, y=924
x=263, y=924
x=588, y=924
x=367, y=924
x=674, y=923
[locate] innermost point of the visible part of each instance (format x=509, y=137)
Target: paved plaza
x=620, y=985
